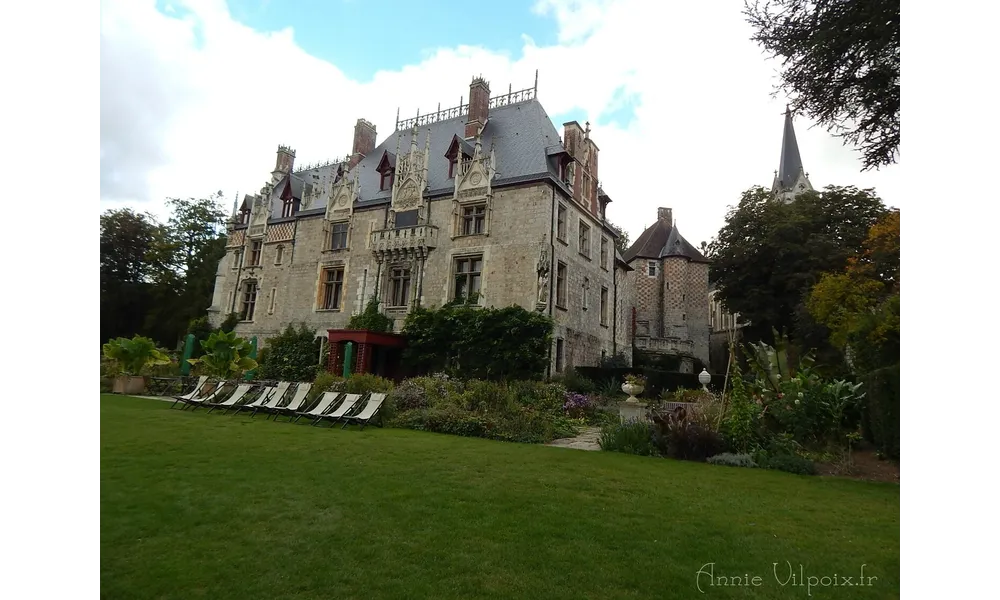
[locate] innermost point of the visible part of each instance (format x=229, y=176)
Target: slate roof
x=521, y=135
x=790, y=162
x=660, y=240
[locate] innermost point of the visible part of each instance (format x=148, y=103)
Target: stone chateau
x=484, y=203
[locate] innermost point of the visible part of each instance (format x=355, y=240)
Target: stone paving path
x=586, y=440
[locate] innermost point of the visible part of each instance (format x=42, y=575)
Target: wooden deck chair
x=301, y=391
x=264, y=396
x=350, y=400
x=222, y=389
x=279, y=392
x=324, y=404
x=193, y=393
x=367, y=413
x=236, y=396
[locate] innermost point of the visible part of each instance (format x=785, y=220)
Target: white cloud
x=198, y=102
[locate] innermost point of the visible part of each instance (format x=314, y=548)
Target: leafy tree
x=371, y=319
x=840, y=62
x=621, y=242
x=860, y=304
x=484, y=343
x=769, y=254
x=291, y=356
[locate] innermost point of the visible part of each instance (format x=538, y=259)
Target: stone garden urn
x=632, y=389
x=632, y=409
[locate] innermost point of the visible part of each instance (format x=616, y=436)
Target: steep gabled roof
x=660, y=240
x=460, y=145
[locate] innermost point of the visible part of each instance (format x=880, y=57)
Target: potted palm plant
x=130, y=357
x=225, y=356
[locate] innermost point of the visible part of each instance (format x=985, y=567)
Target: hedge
x=880, y=417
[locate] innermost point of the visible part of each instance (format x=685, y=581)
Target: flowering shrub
x=577, y=405
x=638, y=380
x=811, y=409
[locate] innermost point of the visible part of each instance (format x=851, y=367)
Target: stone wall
x=520, y=222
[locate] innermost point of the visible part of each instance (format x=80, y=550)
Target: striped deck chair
x=350, y=400
x=324, y=404
x=367, y=413
x=293, y=405
x=193, y=393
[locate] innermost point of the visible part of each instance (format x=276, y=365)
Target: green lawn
x=211, y=506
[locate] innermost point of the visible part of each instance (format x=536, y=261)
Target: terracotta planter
x=129, y=385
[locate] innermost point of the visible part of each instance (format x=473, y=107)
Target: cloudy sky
x=196, y=95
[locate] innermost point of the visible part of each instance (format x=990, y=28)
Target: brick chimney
x=479, y=106
x=364, y=141
x=285, y=161
x=666, y=215
x=573, y=139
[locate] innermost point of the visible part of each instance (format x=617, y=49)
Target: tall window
x=473, y=219
x=287, y=207
x=399, y=280
x=604, y=252
x=236, y=259
x=338, y=236
x=559, y=355
x=249, y=300
x=586, y=288
x=561, y=284
x=651, y=268
x=255, y=253
x=386, y=180
x=604, y=306
x=468, y=277
x=584, y=239
x=244, y=216
x=279, y=254
x=561, y=223
x=333, y=288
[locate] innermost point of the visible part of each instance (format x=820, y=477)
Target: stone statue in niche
x=543, y=276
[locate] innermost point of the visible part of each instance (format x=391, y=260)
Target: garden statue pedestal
x=632, y=411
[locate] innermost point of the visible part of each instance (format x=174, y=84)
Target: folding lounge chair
x=193, y=393
x=276, y=395
x=350, y=401
x=260, y=400
x=221, y=390
x=301, y=391
x=370, y=410
x=325, y=402
x=237, y=396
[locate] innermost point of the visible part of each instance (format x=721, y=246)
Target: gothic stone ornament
x=543, y=277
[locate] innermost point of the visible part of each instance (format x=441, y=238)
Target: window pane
x=475, y=283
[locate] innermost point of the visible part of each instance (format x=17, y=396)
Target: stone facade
x=521, y=225
x=670, y=279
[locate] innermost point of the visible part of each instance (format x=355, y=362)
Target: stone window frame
x=271, y=301
x=328, y=233
x=279, y=254
x=256, y=253
x=390, y=286
x=651, y=265
x=585, y=293
x=248, y=299
x=562, y=284
x=562, y=225
x=605, y=247
x=462, y=218
x=605, y=301
x=321, y=286
x=237, y=255
x=584, y=246
x=453, y=280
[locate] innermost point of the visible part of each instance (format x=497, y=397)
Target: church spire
x=790, y=179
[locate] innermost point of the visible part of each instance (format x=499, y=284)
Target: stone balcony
x=403, y=243
x=668, y=345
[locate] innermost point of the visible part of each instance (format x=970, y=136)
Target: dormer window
x=287, y=207
x=458, y=152
x=386, y=169
x=244, y=215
